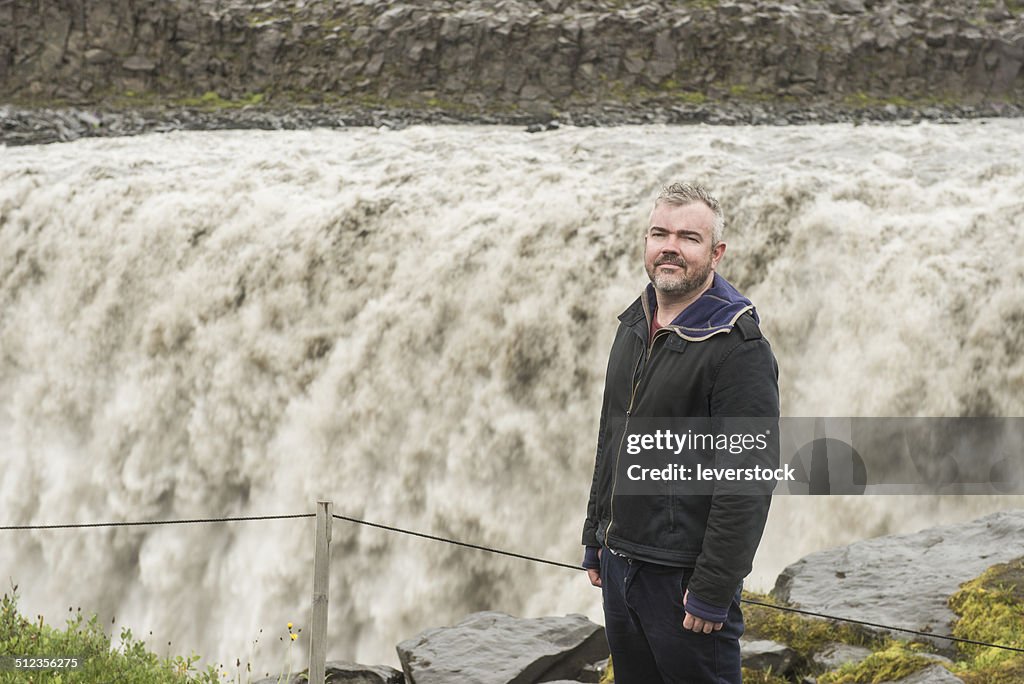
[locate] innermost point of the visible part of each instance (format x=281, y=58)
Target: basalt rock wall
x=513, y=54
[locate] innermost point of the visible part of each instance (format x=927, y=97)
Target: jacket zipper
x=645, y=357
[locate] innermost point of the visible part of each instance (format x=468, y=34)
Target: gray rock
x=813, y=52
x=593, y=672
x=836, y=654
x=998, y=12
x=847, y=6
x=344, y=672
x=97, y=56
x=764, y=654
x=139, y=63
x=495, y=648
x=903, y=580
x=934, y=674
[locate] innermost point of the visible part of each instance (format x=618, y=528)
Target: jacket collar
x=715, y=311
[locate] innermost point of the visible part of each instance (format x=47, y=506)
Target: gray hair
x=679, y=194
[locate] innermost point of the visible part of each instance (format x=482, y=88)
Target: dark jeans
x=643, y=617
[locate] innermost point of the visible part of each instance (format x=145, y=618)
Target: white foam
x=415, y=325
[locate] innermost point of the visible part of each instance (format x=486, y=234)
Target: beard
x=687, y=280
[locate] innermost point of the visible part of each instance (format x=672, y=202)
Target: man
x=671, y=567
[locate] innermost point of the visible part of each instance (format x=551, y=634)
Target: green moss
x=761, y=677
x=212, y=101
x=897, y=661
x=991, y=609
x=803, y=634
x=260, y=18
x=668, y=91
x=332, y=23
x=690, y=97
x=862, y=99
x=1012, y=6
x=1010, y=672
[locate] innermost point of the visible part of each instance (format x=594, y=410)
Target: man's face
x=678, y=255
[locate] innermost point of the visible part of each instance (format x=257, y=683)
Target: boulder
x=902, y=580
x=97, y=56
x=495, y=648
x=836, y=654
x=139, y=63
x=764, y=654
x=933, y=674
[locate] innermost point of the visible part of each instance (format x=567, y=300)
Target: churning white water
x=415, y=324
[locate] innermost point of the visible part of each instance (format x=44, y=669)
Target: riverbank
x=128, y=67
x=41, y=125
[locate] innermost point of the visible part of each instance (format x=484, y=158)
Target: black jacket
x=711, y=362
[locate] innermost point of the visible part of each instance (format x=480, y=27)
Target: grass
x=130, y=662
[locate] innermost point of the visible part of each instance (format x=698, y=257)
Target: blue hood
x=714, y=312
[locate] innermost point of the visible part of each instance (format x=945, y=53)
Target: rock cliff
x=510, y=55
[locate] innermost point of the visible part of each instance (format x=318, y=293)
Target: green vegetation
x=131, y=662
x=260, y=18
x=991, y=609
x=803, y=634
x=668, y=91
x=211, y=100
x=688, y=97
x=762, y=677
x=1012, y=6
x=863, y=100
x=896, y=661
x=130, y=99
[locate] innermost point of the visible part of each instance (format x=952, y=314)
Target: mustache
x=675, y=261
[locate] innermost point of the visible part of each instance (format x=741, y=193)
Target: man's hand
x=595, y=574
x=693, y=623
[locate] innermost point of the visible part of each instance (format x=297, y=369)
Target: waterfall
x=414, y=324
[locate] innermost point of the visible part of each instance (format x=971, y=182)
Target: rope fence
x=323, y=550
x=141, y=523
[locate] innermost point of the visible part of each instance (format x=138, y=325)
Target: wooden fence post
x=321, y=589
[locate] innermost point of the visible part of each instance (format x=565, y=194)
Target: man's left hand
x=692, y=623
